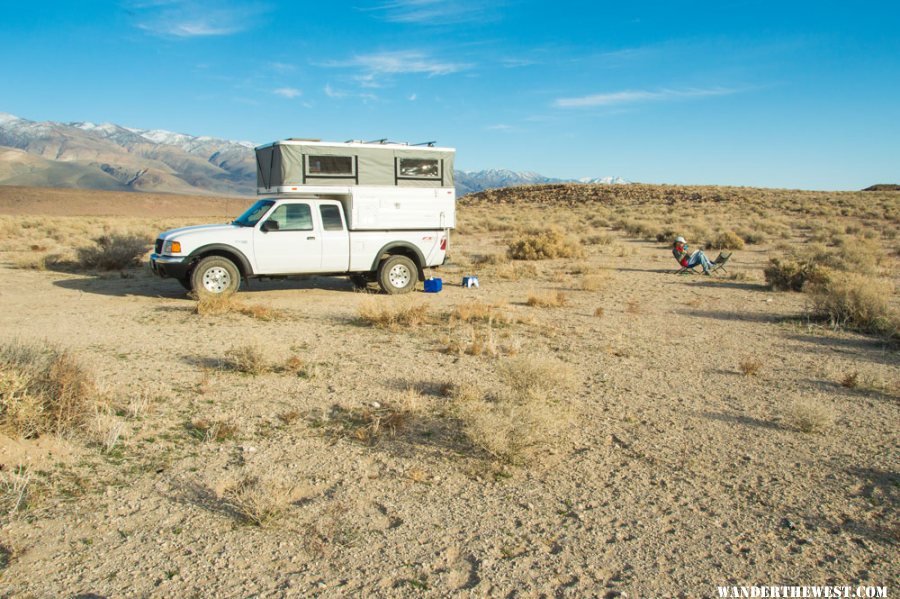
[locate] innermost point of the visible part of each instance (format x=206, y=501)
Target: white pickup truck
x=376, y=212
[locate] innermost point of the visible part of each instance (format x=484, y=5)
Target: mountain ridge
x=87, y=155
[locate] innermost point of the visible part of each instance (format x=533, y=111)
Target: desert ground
x=582, y=426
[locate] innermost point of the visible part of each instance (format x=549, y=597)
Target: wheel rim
x=399, y=276
x=216, y=279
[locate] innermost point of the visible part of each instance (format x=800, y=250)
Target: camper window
x=419, y=168
x=329, y=166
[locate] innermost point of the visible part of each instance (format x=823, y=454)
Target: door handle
x=311, y=238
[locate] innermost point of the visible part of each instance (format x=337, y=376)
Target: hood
x=183, y=231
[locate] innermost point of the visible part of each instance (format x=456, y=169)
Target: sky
x=790, y=94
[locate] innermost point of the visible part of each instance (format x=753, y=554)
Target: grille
x=159, y=245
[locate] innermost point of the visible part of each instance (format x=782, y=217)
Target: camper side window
x=329, y=166
x=419, y=168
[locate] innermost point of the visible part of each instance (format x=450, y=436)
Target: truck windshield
x=253, y=213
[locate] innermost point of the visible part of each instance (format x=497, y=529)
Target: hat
x=680, y=239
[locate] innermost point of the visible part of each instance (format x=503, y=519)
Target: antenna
x=383, y=140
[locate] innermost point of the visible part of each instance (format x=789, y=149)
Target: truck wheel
x=398, y=274
x=214, y=275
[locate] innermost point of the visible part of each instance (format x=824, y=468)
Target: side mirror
x=269, y=225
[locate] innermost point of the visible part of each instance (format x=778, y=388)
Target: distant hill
x=883, y=187
x=85, y=155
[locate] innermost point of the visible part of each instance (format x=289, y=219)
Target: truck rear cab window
x=331, y=218
x=419, y=168
x=330, y=166
x=293, y=217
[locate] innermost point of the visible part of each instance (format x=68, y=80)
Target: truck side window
x=293, y=217
x=331, y=218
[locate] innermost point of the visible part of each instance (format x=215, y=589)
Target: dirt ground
x=678, y=472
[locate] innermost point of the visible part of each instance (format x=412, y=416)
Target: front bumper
x=169, y=266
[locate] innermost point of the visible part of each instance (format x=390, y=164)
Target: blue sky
x=776, y=94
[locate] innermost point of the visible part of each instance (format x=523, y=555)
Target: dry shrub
x=227, y=303
x=727, y=240
x=593, y=282
x=791, y=274
x=750, y=366
x=599, y=312
x=249, y=359
x=752, y=236
x=633, y=307
x=543, y=244
x=597, y=239
x=810, y=416
x=369, y=424
x=528, y=413
x=490, y=259
x=548, y=299
x=209, y=430
x=850, y=380
x=391, y=313
x=256, y=501
x=43, y=390
x=113, y=252
x=856, y=301
x=516, y=270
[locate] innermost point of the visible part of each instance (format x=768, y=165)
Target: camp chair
x=721, y=260
x=686, y=270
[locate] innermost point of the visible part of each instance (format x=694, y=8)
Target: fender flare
x=229, y=251
x=419, y=256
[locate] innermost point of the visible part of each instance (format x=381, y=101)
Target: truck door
x=335, y=239
x=287, y=242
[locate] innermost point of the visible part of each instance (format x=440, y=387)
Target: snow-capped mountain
x=110, y=156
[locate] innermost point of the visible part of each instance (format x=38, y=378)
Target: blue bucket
x=433, y=285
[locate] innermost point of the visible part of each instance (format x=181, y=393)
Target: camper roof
x=378, y=144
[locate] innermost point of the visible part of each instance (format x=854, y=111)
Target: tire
x=398, y=274
x=215, y=275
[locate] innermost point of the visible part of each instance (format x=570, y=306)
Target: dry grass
x=209, y=430
x=750, y=366
x=850, y=380
x=599, y=312
x=528, y=413
x=256, y=501
x=809, y=415
x=547, y=299
x=593, y=282
x=249, y=359
x=114, y=252
x=391, y=313
x=228, y=303
x=543, y=244
x=43, y=390
x=15, y=486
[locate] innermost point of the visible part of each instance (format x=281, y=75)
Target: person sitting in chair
x=690, y=259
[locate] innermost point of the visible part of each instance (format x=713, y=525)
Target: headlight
x=172, y=247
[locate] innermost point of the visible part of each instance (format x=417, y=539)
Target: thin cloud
x=500, y=127
x=635, y=96
x=407, y=62
x=288, y=92
x=434, y=12
x=195, y=18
